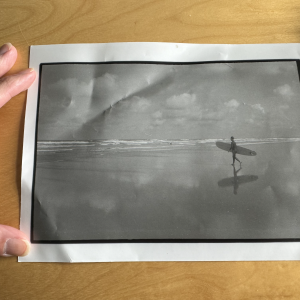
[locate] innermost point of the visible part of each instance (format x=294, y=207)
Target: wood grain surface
x=36, y=22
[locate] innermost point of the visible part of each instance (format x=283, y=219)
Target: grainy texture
x=35, y=22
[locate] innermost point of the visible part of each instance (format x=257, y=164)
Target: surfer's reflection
x=236, y=180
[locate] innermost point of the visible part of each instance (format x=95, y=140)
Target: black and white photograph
x=164, y=152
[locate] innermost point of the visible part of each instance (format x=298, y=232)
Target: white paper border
x=162, y=52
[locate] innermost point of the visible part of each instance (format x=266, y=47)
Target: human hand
x=12, y=240
x=12, y=85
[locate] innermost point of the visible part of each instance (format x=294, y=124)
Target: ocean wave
x=68, y=149
x=115, y=142
x=63, y=151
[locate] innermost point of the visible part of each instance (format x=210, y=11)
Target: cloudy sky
x=156, y=101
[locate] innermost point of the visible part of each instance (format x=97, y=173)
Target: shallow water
x=174, y=189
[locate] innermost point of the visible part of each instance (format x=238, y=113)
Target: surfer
x=234, y=150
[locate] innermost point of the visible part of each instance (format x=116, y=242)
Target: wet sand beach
x=164, y=190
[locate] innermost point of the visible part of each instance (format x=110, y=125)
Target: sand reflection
x=236, y=180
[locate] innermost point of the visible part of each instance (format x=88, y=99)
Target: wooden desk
x=36, y=22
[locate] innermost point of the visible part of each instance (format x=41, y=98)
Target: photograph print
x=167, y=152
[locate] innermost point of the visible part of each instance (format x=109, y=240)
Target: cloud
x=72, y=86
x=140, y=104
x=284, y=107
x=136, y=105
x=158, y=118
x=250, y=121
x=256, y=116
x=182, y=108
x=213, y=115
x=157, y=115
x=107, y=80
x=258, y=107
x=159, y=122
x=232, y=105
x=138, y=179
x=108, y=204
x=182, y=101
x=185, y=180
x=180, y=121
x=284, y=90
x=107, y=87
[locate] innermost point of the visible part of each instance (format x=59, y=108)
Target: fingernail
x=5, y=48
x=27, y=71
x=16, y=247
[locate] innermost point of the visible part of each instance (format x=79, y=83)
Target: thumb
x=13, y=242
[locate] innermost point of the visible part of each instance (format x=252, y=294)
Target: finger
x=13, y=242
x=8, y=56
x=12, y=85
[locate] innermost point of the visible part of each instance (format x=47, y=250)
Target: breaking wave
x=145, y=145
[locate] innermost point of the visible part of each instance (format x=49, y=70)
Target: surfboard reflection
x=236, y=180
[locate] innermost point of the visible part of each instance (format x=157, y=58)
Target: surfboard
x=240, y=150
x=237, y=180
